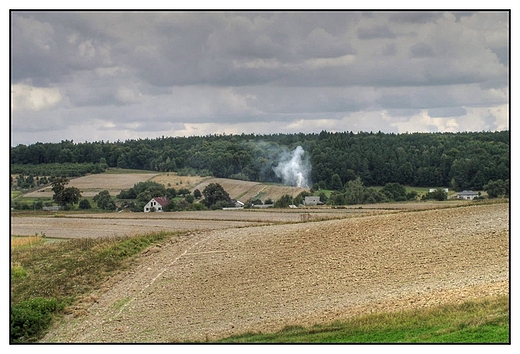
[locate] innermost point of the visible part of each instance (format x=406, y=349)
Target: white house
x=157, y=203
x=469, y=195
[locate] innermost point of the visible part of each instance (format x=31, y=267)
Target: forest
x=466, y=160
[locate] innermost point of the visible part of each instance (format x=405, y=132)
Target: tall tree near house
x=104, y=201
x=214, y=193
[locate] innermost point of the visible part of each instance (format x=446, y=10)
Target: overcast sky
x=90, y=76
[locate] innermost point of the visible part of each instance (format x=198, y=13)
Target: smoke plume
x=294, y=168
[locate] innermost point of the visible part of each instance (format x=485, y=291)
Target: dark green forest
x=467, y=160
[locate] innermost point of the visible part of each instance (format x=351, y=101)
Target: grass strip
x=482, y=321
x=62, y=273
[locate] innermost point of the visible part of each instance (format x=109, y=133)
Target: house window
x=147, y=209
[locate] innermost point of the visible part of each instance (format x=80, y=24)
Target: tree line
x=468, y=160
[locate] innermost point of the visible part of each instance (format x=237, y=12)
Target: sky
x=99, y=75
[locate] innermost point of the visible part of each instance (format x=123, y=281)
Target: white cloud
x=26, y=97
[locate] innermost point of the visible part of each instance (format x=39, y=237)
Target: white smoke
x=294, y=168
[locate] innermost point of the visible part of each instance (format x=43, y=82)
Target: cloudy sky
x=90, y=76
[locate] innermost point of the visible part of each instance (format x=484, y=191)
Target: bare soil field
x=93, y=184
x=59, y=225
x=213, y=283
x=92, y=225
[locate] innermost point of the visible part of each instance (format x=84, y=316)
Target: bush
x=30, y=318
x=84, y=204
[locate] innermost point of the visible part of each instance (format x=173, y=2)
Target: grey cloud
x=389, y=49
x=421, y=50
x=490, y=122
x=447, y=112
x=413, y=17
x=376, y=32
x=502, y=54
x=402, y=112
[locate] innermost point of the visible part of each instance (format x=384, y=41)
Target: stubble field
x=209, y=284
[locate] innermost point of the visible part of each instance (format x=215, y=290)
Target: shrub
x=84, y=204
x=30, y=318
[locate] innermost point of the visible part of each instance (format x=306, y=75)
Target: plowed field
x=210, y=284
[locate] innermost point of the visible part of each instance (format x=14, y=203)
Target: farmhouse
x=469, y=195
x=156, y=204
x=311, y=201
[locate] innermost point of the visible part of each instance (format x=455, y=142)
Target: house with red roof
x=156, y=204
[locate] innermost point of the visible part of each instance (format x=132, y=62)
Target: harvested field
x=120, y=224
x=93, y=184
x=172, y=180
x=211, y=284
x=244, y=190
x=63, y=225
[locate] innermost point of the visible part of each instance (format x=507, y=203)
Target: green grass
x=15, y=194
x=65, y=272
x=483, y=321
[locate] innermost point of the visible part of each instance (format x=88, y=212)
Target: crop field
x=172, y=180
x=93, y=184
x=261, y=277
x=245, y=190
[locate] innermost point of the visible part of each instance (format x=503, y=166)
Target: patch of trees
x=65, y=196
x=142, y=192
x=355, y=192
x=497, y=189
x=58, y=170
x=455, y=160
x=104, y=201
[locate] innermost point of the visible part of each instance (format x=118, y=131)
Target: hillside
x=92, y=184
x=244, y=190
x=211, y=284
x=459, y=161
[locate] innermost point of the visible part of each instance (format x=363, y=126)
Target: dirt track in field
x=211, y=284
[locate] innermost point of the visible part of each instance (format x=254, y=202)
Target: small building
x=238, y=203
x=263, y=206
x=52, y=208
x=468, y=195
x=312, y=200
x=156, y=204
x=445, y=190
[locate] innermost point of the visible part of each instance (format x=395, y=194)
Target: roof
x=161, y=200
x=468, y=193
